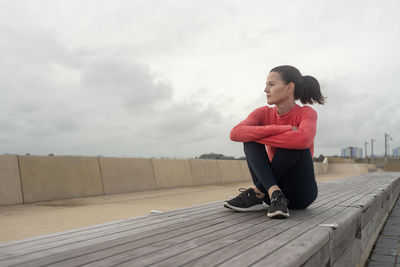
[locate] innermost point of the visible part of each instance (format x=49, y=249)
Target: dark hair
x=306, y=88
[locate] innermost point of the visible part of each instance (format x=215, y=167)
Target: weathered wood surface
x=211, y=235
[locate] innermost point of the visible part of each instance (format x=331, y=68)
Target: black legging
x=291, y=169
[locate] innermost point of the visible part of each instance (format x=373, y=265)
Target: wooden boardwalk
x=336, y=229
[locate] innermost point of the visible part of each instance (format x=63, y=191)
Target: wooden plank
x=184, y=256
x=224, y=249
x=299, y=250
x=229, y=252
x=90, y=233
x=349, y=226
x=80, y=243
x=256, y=253
x=349, y=229
x=107, y=247
x=210, y=233
x=272, y=227
x=53, y=245
x=320, y=258
x=345, y=188
x=65, y=252
x=367, y=209
x=174, y=257
x=197, y=246
x=27, y=248
x=205, y=255
x=343, y=195
x=205, y=235
x=350, y=256
x=306, y=224
x=114, y=224
x=201, y=225
x=369, y=234
x=336, y=196
x=168, y=245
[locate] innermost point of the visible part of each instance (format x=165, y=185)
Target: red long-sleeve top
x=264, y=125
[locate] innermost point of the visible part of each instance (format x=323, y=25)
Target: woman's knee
x=253, y=146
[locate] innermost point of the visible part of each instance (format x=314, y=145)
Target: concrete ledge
x=10, y=183
x=205, y=172
x=50, y=178
x=122, y=175
x=172, y=173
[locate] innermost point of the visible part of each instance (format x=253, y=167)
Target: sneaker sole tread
x=278, y=215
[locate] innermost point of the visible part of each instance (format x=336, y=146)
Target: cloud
x=103, y=104
x=150, y=78
x=124, y=82
x=354, y=115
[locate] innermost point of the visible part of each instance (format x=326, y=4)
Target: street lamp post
x=366, y=154
x=372, y=148
x=386, y=135
x=387, y=138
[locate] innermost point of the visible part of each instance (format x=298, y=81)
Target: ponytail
x=307, y=88
x=310, y=91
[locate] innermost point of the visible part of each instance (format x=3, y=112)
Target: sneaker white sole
x=257, y=207
x=278, y=214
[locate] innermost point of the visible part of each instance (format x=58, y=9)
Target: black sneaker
x=278, y=208
x=247, y=200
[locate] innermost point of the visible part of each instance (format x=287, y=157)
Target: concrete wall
x=370, y=160
x=349, y=167
x=245, y=171
x=231, y=170
x=172, y=173
x=205, y=172
x=121, y=175
x=340, y=160
x=27, y=179
x=320, y=167
x=10, y=184
x=49, y=178
x=392, y=165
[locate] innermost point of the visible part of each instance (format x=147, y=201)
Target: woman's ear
x=291, y=87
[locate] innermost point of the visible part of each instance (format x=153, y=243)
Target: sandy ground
x=23, y=221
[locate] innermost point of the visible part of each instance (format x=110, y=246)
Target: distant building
x=396, y=152
x=352, y=152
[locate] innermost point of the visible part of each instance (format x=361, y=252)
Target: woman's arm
x=252, y=128
x=301, y=138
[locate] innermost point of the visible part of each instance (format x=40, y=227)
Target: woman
x=279, y=145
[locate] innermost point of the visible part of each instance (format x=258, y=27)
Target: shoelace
x=244, y=191
x=275, y=199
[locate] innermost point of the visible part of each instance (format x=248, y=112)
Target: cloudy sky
x=169, y=78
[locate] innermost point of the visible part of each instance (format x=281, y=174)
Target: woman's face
x=276, y=89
